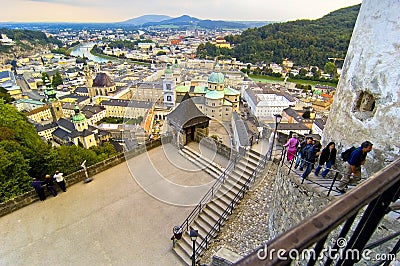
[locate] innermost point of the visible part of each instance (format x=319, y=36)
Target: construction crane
x=335, y=59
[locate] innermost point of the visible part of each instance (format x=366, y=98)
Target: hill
x=145, y=19
x=26, y=40
x=306, y=42
x=186, y=21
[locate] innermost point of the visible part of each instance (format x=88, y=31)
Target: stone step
x=245, y=169
x=254, y=161
x=211, y=214
x=182, y=254
x=211, y=171
x=216, y=206
x=228, y=189
x=254, y=153
x=204, y=161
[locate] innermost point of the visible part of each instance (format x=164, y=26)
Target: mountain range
x=186, y=21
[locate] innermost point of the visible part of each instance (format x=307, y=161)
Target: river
x=84, y=50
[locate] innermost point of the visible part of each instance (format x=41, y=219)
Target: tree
x=45, y=77
x=303, y=72
x=57, y=80
x=330, y=68
x=5, y=95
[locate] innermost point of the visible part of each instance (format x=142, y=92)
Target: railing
x=207, y=197
x=366, y=204
x=289, y=165
x=228, y=210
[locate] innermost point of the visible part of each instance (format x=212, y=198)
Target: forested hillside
x=306, y=42
x=26, y=39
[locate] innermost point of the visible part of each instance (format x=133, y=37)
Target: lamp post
x=193, y=235
x=87, y=179
x=278, y=119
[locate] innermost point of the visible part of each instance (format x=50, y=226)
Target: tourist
x=312, y=157
x=292, y=147
x=303, y=149
x=38, y=186
x=50, y=185
x=59, y=178
x=328, y=157
x=352, y=172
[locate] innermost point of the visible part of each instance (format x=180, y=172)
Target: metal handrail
x=334, y=179
x=376, y=193
x=210, y=194
x=228, y=210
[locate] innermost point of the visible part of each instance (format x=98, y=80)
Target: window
x=168, y=98
x=364, y=106
x=168, y=86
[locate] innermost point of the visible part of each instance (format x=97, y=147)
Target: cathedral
x=214, y=100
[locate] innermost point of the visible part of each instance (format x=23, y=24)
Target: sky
x=121, y=10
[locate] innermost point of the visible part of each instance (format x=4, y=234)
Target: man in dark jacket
x=304, y=147
x=312, y=157
x=38, y=186
x=328, y=157
x=353, y=166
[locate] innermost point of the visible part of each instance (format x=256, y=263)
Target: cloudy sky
x=120, y=10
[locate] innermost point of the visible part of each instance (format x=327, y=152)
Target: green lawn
x=269, y=79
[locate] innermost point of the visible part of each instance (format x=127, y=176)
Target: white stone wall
x=371, y=67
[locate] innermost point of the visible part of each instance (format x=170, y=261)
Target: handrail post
x=333, y=182
x=302, y=178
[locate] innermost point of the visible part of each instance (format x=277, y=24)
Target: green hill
x=26, y=40
x=306, y=42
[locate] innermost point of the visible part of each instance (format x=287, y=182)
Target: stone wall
x=76, y=177
x=212, y=144
x=292, y=202
x=367, y=101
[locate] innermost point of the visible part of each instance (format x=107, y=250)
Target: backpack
x=347, y=153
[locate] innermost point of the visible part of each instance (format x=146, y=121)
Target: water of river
x=84, y=50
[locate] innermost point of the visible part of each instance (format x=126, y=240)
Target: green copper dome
x=168, y=70
x=216, y=77
x=78, y=116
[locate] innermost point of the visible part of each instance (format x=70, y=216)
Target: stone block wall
x=367, y=101
x=292, y=202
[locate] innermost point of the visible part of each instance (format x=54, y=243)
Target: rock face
x=367, y=104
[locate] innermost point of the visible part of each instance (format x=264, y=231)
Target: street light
x=193, y=235
x=87, y=179
x=278, y=119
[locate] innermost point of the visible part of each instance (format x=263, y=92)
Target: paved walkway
x=110, y=221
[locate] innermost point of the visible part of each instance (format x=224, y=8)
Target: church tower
x=51, y=99
x=79, y=120
x=169, y=92
x=367, y=101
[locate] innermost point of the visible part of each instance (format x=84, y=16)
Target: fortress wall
x=367, y=103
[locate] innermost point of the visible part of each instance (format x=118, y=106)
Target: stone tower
x=367, y=104
x=169, y=92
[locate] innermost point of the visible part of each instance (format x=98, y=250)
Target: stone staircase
x=211, y=213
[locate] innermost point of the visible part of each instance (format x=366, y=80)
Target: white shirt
x=59, y=177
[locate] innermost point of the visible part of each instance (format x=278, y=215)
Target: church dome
x=103, y=80
x=216, y=77
x=78, y=116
